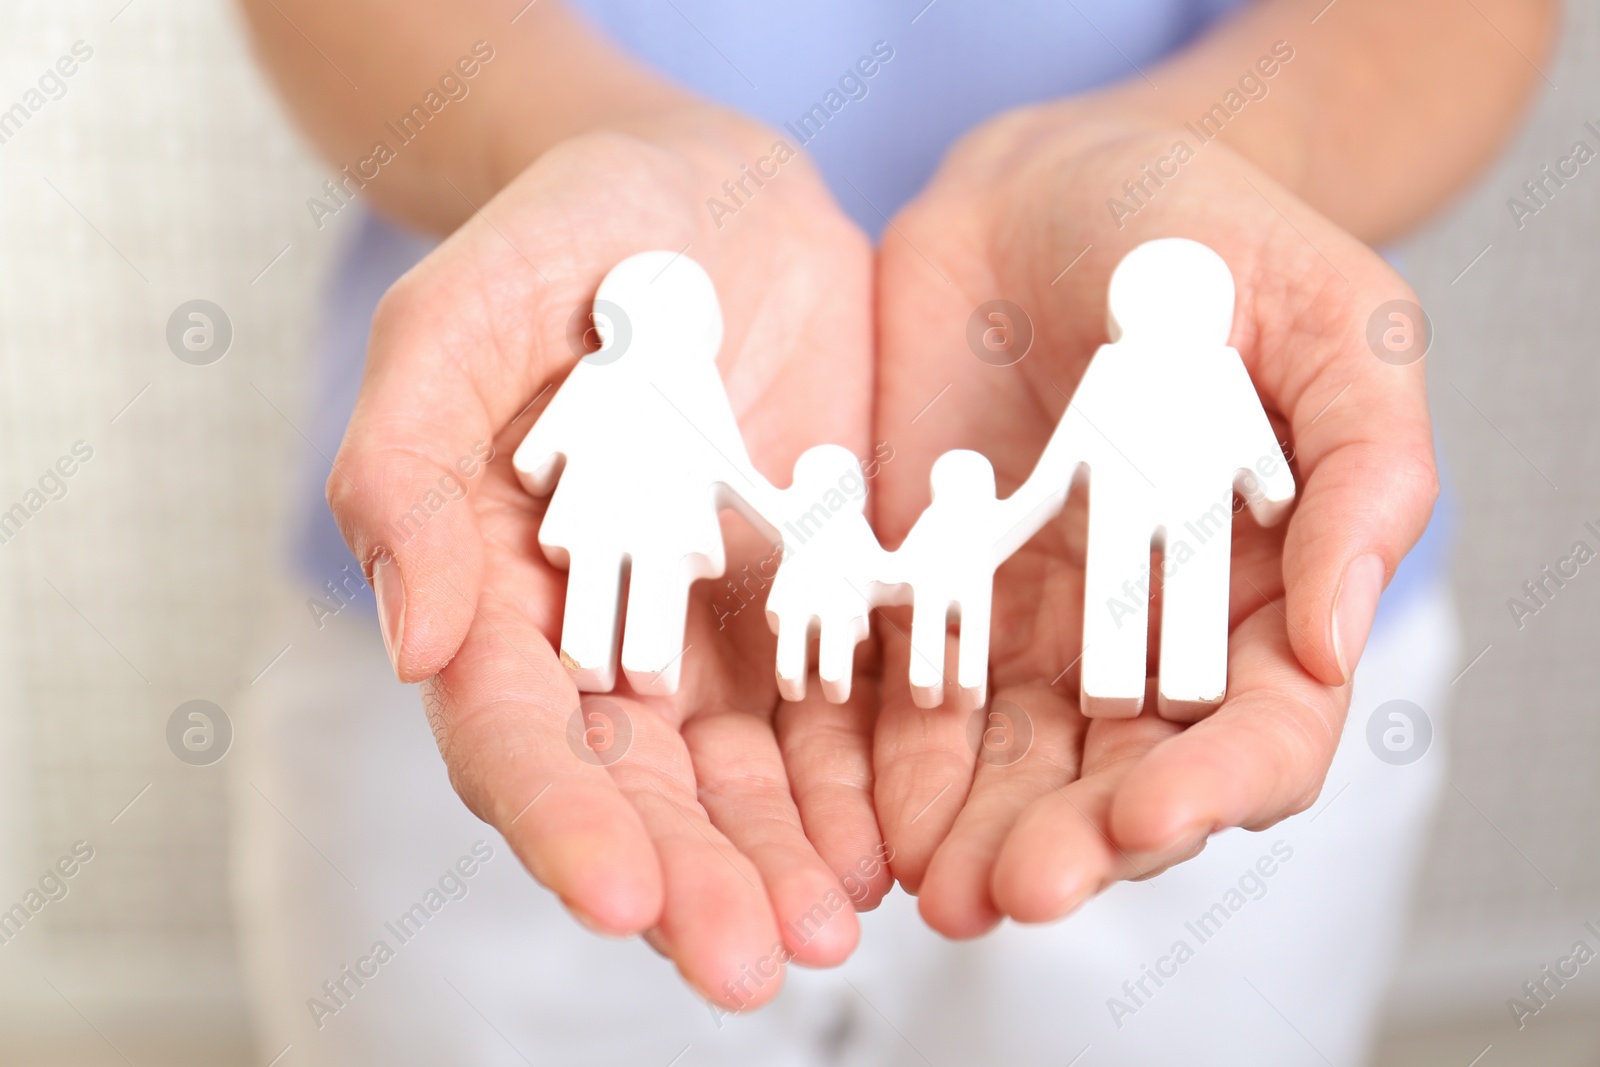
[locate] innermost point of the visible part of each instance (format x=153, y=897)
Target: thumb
x=1370, y=488
x=416, y=448
x=405, y=515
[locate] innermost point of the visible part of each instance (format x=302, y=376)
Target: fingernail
x=1183, y=841
x=1354, y=608
x=390, y=592
x=1074, y=892
x=589, y=922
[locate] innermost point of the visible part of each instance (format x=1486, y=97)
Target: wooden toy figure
x=831, y=574
x=947, y=564
x=639, y=451
x=1168, y=422
x=945, y=567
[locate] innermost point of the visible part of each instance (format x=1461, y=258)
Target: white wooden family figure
x=642, y=450
x=639, y=451
x=831, y=574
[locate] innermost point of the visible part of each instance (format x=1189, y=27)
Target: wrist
x=1118, y=129
x=719, y=162
x=1050, y=155
x=716, y=141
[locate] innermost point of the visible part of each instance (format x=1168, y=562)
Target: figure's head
x=1172, y=288
x=962, y=475
x=827, y=469
x=662, y=303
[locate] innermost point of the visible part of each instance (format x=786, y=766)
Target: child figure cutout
x=639, y=451
x=1168, y=421
x=948, y=561
x=831, y=574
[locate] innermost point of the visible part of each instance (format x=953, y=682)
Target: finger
x=1365, y=506
x=460, y=349
x=1260, y=758
x=1028, y=742
x=501, y=712
x=717, y=922
x=438, y=387
x=1364, y=445
x=922, y=761
x=1060, y=853
x=745, y=790
x=827, y=749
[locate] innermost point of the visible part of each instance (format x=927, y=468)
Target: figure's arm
x=704, y=402
x=1041, y=498
x=1075, y=442
x=539, y=466
x=540, y=457
x=752, y=495
x=1269, y=486
x=761, y=506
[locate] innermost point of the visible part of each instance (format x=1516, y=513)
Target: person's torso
x=876, y=91
x=936, y=71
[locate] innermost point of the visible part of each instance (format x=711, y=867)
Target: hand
x=1095, y=801
x=731, y=816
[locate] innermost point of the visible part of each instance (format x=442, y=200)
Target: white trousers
x=1269, y=948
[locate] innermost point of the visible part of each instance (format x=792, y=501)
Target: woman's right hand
x=731, y=816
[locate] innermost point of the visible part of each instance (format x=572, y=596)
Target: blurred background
x=163, y=173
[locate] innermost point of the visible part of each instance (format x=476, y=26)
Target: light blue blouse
x=941, y=69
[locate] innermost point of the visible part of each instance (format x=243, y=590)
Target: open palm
x=1034, y=808
x=718, y=821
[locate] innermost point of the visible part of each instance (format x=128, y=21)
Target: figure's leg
x=658, y=611
x=972, y=660
x=794, y=635
x=929, y=615
x=1116, y=610
x=836, y=655
x=1194, y=624
x=589, y=621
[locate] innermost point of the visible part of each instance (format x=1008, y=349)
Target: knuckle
x=343, y=501
x=397, y=307
x=1419, y=475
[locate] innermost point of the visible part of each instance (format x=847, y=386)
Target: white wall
x=162, y=174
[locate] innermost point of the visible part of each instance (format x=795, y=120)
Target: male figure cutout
x=1169, y=424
